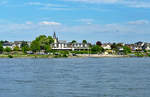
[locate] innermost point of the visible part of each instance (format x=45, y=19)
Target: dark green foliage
x=126, y=50
x=35, y=46
x=3, y=41
x=1, y=47
x=97, y=49
x=98, y=43
x=84, y=42
x=61, y=54
x=74, y=41
x=47, y=48
x=42, y=43
x=25, y=47
x=10, y=56
x=7, y=49
x=114, y=47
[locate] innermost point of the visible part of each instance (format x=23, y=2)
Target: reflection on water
x=78, y=77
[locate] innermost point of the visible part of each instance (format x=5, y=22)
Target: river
x=75, y=77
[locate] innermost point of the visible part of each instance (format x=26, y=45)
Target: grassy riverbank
x=25, y=56
x=64, y=56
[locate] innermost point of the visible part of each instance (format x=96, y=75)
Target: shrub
x=10, y=56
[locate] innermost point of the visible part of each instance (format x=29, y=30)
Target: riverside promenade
x=100, y=55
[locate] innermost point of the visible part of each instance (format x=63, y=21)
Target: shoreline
x=102, y=56
x=77, y=56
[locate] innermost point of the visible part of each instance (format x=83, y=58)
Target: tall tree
x=74, y=41
x=43, y=43
x=35, y=46
x=99, y=43
x=1, y=47
x=114, y=46
x=84, y=42
x=25, y=47
x=126, y=49
x=97, y=49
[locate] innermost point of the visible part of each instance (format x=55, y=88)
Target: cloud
x=138, y=22
x=47, y=6
x=95, y=1
x=29, y=22
x=128, y=3
x=29, y=30
x=42, y=4
x=3, y=3
x=49, y=23
x=86, y=21
x=92, y=28
x=136, y=4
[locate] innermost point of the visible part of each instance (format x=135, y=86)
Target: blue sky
x=104, y=20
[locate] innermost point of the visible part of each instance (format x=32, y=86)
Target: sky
x=125, y=21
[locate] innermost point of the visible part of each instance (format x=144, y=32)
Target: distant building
x=18, y=43
x=8, y=44
x=106, y=46
x=139, y=44
x=146, y=46
x=12, y=45
x=64, y=45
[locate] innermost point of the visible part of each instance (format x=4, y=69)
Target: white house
x=146, y=46
x=64, y=45
x=106, y=46
x=8, y=44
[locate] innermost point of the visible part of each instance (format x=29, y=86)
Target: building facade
x=64, y=45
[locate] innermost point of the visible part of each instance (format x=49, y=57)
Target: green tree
x=74, y=41
x=7, y=49
x=126, y=49
x=3, y=41
x=1, y=47
x=16, y=48
x=99, y=43
x=44, y=40
x=97, y=49
x=42, y=43
x=35, y=46
x=84, y=42
x=47, y=48
x=25, y=47
x=114, y=47
x=50, y=40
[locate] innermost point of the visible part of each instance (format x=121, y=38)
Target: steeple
x=55, y=38
x=54, y=35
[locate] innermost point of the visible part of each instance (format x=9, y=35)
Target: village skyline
x=53, y=47
x=78, y=40
x=89, y=41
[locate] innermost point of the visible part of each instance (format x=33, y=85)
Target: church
x=64, y=45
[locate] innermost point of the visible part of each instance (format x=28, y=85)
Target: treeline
x=115, y=48
x=41, y=42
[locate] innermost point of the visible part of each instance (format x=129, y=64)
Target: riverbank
x=101, y=55
x=26, y=56
x=69, y=56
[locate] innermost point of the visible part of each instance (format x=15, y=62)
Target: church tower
x=55, y=38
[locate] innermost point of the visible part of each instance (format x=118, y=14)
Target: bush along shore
x=69, y=54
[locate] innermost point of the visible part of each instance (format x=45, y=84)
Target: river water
x=75, y=77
